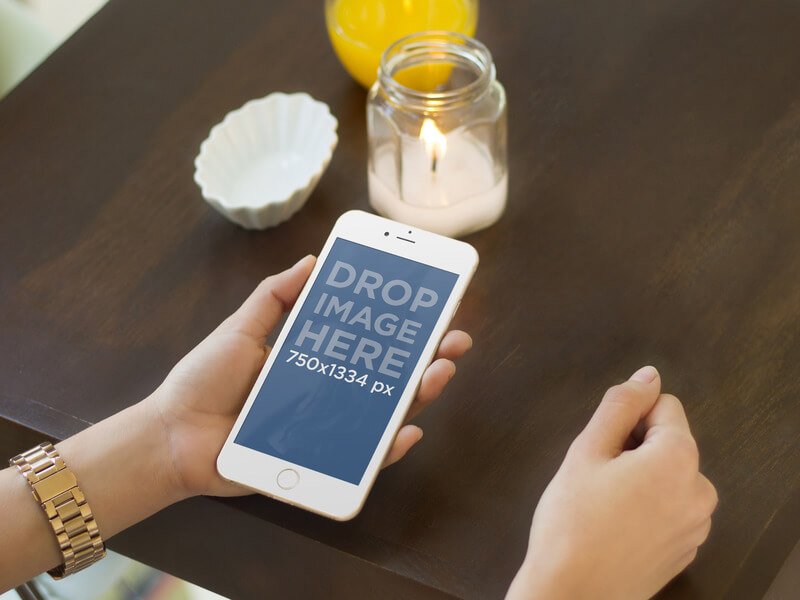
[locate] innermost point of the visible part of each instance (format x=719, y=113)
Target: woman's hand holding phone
x=201, y=397
x=164, y=448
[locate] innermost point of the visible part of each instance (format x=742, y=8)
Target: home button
x=288, y=478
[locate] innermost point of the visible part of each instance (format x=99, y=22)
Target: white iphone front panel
x=338, y=383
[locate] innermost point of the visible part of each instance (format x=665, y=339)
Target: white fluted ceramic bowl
x=259, y=165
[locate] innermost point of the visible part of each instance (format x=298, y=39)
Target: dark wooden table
x=653, y=218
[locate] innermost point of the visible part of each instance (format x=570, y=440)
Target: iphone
x=339, y=381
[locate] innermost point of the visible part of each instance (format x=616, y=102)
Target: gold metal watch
x=54, y=487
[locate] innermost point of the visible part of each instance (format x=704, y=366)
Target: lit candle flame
x=434, y=140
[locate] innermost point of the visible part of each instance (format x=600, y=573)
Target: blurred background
x=113, y=578
x=31, y=29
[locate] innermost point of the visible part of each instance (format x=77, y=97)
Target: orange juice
x=360, y=30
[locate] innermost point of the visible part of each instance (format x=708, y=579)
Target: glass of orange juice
x=360, y=30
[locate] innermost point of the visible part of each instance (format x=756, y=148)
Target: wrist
x=160, y=455
x=122, y=464
x=153, y=408
x=536, y=581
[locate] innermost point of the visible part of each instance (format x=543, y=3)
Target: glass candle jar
x=436, y=121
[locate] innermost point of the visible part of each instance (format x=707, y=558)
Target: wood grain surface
x=653, y=218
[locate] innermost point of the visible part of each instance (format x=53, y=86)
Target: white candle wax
x=460, y=196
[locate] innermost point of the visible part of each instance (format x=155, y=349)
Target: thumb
x=621, y=409
x=259, y=314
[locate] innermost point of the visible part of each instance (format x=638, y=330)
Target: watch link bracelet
x=54, y=487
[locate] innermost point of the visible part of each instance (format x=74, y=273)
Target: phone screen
x=346, y=360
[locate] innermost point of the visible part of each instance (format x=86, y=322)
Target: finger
x=454, y=345
x=433, y=381
x=406, y=437
x=275, y=295
x=707, y=494
x=636, y=437
x=667, y=414
x=685, y=560
x=701, y=533
x=621, y=409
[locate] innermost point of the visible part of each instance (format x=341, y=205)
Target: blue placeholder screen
x=346, y=361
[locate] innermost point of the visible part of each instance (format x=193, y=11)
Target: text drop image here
x=346, y=360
